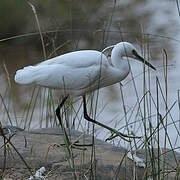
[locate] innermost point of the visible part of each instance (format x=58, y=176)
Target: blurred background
x=69, y=25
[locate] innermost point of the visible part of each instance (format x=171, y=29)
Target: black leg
x=58, y=109
x=60, y=120
x=86, y=116
x=117, y=133
x=75, y=144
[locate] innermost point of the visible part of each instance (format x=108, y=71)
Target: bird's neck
x=120, y=63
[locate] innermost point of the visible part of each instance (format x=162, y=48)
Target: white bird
x=77, y=73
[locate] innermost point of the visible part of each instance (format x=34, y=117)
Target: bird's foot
x=123, y=136
x=75, y=145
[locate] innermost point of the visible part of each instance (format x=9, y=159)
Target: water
x=124, y=21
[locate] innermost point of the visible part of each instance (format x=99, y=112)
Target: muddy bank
x=45, y=148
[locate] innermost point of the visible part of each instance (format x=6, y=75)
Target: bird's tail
x=25, y=75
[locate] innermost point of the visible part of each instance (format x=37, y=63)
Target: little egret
x=77, y=73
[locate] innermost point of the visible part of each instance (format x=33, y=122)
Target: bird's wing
x=78, y=59
x=59, y=76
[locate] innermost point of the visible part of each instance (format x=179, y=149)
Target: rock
x=45, y=148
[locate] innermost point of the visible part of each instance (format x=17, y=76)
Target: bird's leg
x=60, y=120
x=58, y=110
x=117, y=133
x=75, y=144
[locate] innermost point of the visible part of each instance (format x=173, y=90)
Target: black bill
x=142, y=60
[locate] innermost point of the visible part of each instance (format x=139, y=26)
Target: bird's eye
x=134, y=52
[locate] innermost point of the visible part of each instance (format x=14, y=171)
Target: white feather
x=80, y=71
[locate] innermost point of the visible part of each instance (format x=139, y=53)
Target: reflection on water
x=94, y=25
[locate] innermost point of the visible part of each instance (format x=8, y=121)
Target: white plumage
x=79, y=72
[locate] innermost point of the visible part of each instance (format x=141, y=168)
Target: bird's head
x=126, y=49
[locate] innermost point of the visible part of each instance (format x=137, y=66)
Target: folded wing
x=78, y=59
